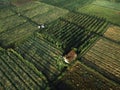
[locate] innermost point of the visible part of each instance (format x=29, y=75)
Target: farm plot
x=49, y=16
x=26, y=6
x=20, y=2
x=106, y=9
x=70, y=5
x=16, y=73
x=113, y=32
x=17, y=34
x=104, y=56
x=5, y=12
x=70, y=35
x=44, y=55
x=78, y=76
x=40, y=12
x=10, y=22
x=108, y=4
x=91, y=23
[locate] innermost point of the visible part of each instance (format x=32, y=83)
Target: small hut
x=71, y=56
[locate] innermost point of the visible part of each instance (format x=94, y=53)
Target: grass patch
x=70, y=5
x=112, y=15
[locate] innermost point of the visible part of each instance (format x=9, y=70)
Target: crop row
x=79, y=76
x=10, y=22
x=5, y=12
x=92, y=23
x=17, y=34
x=105, y=56
x=70, y=35
x=45, y=56
x=17, y=73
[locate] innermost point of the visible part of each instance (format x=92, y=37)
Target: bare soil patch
x=113, y=33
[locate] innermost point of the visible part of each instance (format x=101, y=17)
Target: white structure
x=39, y=27
x=66, y=60
x=18, y=14
x=42, y=26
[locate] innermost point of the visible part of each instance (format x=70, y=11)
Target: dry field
x=113, y=33
x=104, y=56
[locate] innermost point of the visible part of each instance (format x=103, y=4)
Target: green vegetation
x=44, y=55
x=107, y=4
x=40, y=12
x=5, y=12
x=78, y=75
x=36, y=37
x=16, y=73
x=17, y=34
x=75, y=31
x=18, y=23
x=108, y=10
x=10, y=22
x=67, y=4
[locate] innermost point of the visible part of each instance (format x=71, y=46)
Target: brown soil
x=113, y=33
x=78, y=77
x=71, y=56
